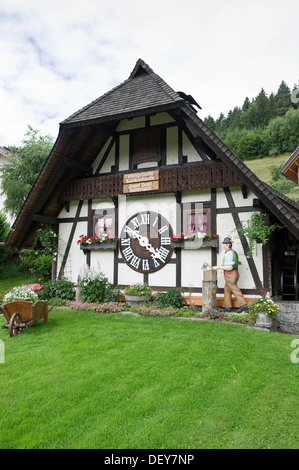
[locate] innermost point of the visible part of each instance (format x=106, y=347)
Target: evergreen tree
x=246, y=104
x=282, y=99
x=210, y=122
x=263, y=111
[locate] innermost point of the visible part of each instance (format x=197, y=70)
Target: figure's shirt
x=230, y=259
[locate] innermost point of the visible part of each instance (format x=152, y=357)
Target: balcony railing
x=183, y=178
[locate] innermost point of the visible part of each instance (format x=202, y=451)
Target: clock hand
x=144, y=242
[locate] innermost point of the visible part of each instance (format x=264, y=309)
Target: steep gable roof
x=83, y=134
x=144, y=91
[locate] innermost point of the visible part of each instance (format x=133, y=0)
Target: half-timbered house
x=140, y=165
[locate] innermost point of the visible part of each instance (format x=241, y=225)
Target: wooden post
x=209, y=289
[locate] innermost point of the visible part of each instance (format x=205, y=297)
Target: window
x=104, y=223
x=196, y=220
x=146, y=145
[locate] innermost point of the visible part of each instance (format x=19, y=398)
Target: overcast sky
x=59, y=55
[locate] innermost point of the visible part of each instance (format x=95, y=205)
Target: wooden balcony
x=179, y=178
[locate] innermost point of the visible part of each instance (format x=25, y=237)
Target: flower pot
x=136, y=299
x=263, y=321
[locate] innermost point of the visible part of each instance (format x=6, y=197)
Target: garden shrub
x=112, y=294
x=95, y=287
x=39, y=258
x=172, y=298
x=62, y=289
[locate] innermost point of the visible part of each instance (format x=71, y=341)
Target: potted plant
x=137, y=293
x=264, y=311
x=257, y=231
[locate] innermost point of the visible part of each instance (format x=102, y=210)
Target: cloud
x=57, y=56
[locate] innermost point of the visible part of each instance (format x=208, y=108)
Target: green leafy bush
x=62, y=289
x=39, y=258
x=172, y=298
x=93, y=287
x=112, y=294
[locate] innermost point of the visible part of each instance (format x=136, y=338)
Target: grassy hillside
x=262, y=168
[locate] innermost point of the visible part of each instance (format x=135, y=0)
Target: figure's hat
x=227, y=240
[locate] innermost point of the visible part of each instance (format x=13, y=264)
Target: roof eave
x=124, y=115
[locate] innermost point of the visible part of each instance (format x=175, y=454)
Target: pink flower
x=35, y=287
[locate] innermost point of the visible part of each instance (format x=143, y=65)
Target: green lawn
x=262, y=166
x=12, y=276
x=115, y=381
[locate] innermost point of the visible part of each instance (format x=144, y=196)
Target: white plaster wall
x=239, y=199
x=73, y=206
x=189, y=150
x=172, y=146
x=76, y=258
x=192, y=261
x=110, y=160
x=237, y=196
x=166, y=276
x=103, y=261
x=160, y=118
x=127, y=276
x=203, y=195
x=101, y=204
x=100, y=156
x=128, y=124
x=124, y=152
x=221, y=200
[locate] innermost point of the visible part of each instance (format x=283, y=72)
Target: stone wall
x=288, y=318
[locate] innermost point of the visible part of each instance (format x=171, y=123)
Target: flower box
x=98, y=246
x=196, y=244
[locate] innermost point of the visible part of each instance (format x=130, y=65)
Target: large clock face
x=145, y=242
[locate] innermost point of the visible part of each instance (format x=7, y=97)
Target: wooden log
x=209, y=289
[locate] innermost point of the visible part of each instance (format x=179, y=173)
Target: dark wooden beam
x=195, y=141
x=44, y=219
x=105, y=156
x=67, y=161
x=244, y=191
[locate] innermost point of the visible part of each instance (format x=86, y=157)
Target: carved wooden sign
x=142, y=181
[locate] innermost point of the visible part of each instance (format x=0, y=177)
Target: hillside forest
x=263, y=126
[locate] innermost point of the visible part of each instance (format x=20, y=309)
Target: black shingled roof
x=144, y=91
